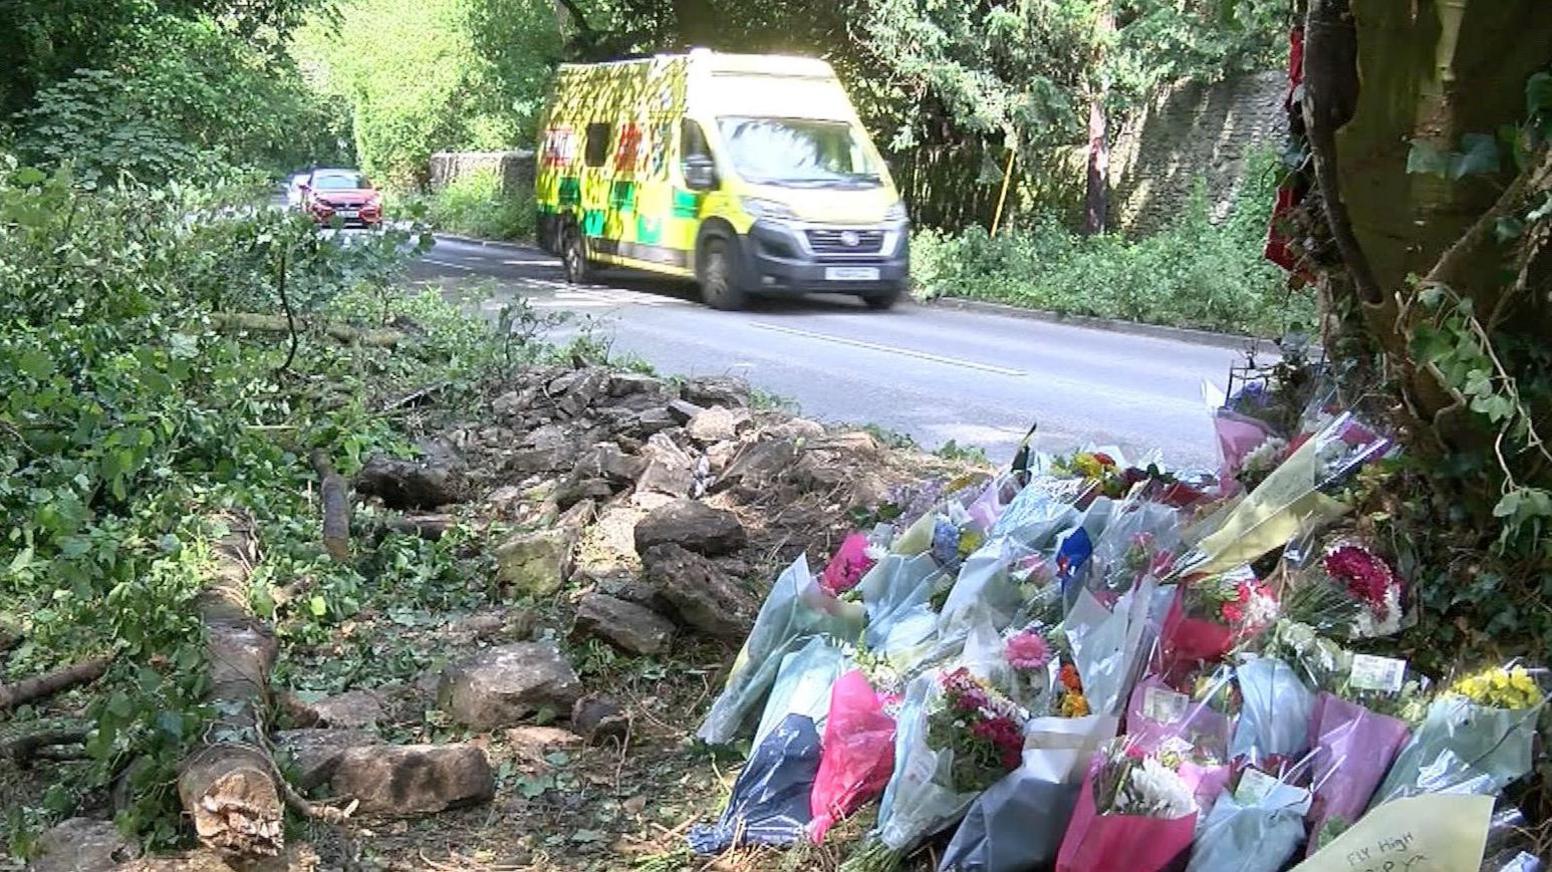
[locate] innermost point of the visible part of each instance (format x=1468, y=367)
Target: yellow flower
x=1074, y=705
x=1507, y=688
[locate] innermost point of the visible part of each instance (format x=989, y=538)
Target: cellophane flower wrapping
x=1139, y=840
x=920, y=798
x=803, y=685
x=1017, y=824
x=1251, y=834
x=1274, y=720
x=1210, y=615
x=896, y=594
x=847, y=566
x=1293, y=499
x=1107, y=644
x=796, y=610
x=1463, y=747
x=1141, y=540
x=769, y=804
x=858, y=753
x=1353, y=749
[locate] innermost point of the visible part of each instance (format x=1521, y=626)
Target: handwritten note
x=1438, y=833
x=1163, y=705
x=1377, y=673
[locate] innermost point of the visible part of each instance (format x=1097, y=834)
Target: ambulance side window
x=597, y=143
x=692, y=143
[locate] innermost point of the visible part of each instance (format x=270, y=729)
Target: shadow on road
x=684, y=289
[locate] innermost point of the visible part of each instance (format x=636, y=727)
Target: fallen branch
x=334, y=493
x=22, y=751
x=431, y=527
x=317, y=811
x=50, y=683
x=254, y=322
x=228, y=785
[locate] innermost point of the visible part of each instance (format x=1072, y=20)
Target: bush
x=1194, y=274
x=475, y=205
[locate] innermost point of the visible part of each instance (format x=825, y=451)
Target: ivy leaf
x=1480, y=156
x=1538, y=94
x=318, y=606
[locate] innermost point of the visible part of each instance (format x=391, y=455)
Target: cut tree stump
x=228, y=785
x=334, y=493
x=50, y=683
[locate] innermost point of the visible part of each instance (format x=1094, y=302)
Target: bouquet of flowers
x=1257, y=827
x=851, y=561
x=1477, y=737
x=1140, y=541
x=1211, y=614
x=802, y=686
x=896, y=593
x=1348, y=591
x=1274, y=719
x=1294, y=499
x=796, y=610
x=1355, y=740
x=956, y=737
x=1099, y=470
x=769, y=804
x=1157, y=713
x=1134, y=812
x=858, y=753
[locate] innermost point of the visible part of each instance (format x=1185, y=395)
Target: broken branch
x=254, y=322
x=50, y=683
x=334, y=494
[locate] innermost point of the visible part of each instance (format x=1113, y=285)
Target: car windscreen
x=340, y=182
x=798, y=152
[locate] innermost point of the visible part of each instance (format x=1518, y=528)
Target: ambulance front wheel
x=573, y=256
x=720, y=286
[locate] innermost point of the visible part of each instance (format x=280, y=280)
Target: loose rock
x=716, y=391
x=692, y=525
x=597, y=718
x=654, y=420
x=716, y=424
x=352, y=710
x=313, y=753
x=403, y=780
x=669, y=469
x=548, y=448
x=532, y=743
x=682, y=410
x=623, y=384
x=506, y=685
x=81, y=845
x=606, y=460
x=535, y=563
x=633, y=628
x=702, y=595
x=759, y=463
x=406, y=484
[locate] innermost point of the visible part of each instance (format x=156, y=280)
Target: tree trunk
x=1096, y=188
x=228, y=785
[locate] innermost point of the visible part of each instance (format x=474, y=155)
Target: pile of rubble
x=617, y=506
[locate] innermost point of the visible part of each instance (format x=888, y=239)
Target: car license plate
x=851, y=274
x=349, y=213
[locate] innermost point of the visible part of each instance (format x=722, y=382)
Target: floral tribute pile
x=1083, y=664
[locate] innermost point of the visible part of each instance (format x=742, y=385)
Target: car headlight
x=896, y=212
x=769, y=210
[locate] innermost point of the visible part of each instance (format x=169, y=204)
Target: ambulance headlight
x=896, y=214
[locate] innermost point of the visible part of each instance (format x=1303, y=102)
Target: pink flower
x=1028, y=650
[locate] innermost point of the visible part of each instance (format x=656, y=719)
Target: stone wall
x=1193, y=132
x=514, y=168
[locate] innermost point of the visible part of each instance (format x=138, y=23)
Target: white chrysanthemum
x=1266, y=455
x=1368, y=627
x=1261, y=611
x=1161, y=791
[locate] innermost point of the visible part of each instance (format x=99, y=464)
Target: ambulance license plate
x=851, y=274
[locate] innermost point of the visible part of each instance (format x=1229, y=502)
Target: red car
x=342, y=194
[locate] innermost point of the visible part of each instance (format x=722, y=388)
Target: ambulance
x=750, y=174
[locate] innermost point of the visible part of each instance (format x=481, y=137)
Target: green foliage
x=476, y=205
x=432, y=76
x=182, y=99
x=1193, y=274
x=132, y=429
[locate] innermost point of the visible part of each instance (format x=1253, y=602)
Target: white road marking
x=893, y=349
x=549, y=262
x=448, y=263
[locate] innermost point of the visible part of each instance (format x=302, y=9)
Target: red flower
x=1104, y=459
x=1364, y=575
x=1070, y=679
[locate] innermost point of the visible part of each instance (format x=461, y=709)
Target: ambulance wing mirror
x=700, y=173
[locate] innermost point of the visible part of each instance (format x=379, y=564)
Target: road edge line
x=1195, y=336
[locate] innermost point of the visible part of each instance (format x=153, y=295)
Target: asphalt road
x=934, y=373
